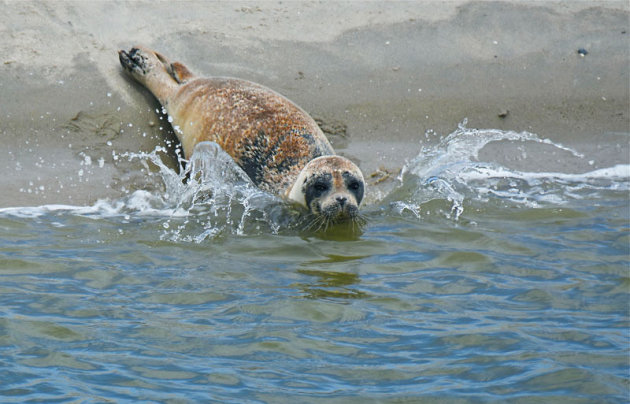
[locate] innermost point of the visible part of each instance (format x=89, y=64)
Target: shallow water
x=471, y=281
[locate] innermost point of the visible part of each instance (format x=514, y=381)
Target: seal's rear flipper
x=179, y=72
x=134, y=62
x=154, y=71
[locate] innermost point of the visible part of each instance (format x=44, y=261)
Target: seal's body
x=268, y=136
x=273, y=140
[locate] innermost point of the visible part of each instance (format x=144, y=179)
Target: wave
x=451, y=172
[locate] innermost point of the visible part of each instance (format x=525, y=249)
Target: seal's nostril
x=341, y=199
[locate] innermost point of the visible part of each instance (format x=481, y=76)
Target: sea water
x=469, y=282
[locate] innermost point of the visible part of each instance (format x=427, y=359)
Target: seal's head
x=331, y=187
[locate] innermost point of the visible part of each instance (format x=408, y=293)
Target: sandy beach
x=380, y=76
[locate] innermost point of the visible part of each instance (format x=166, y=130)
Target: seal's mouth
x=340, y=212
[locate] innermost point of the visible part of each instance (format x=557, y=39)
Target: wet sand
x=377, y=75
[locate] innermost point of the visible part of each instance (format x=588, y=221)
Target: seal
x=274, y=141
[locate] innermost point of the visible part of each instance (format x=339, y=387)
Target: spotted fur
x=267, y=135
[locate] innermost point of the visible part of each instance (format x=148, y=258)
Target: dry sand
x=377, y=74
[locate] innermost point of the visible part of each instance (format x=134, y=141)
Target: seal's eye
x=320, y=186
x=316, y=187
x=354, y=185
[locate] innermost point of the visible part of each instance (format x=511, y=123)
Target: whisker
x=322, y=223
x=311, y=223
x=315, y=224
x=361, y=220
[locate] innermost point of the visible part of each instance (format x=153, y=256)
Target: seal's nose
x=341, y=200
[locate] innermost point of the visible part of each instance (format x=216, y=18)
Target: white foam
x=617, y=172
x=139, y=203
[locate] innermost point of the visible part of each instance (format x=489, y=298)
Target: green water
x=493, y=289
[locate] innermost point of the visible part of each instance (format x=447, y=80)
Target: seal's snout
x=337, y=207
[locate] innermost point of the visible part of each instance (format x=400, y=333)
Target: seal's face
x=336, y=195
x=331, y=187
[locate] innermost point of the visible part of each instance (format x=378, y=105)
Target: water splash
x=216, y=197
x=209, y=196
x=443, y=176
